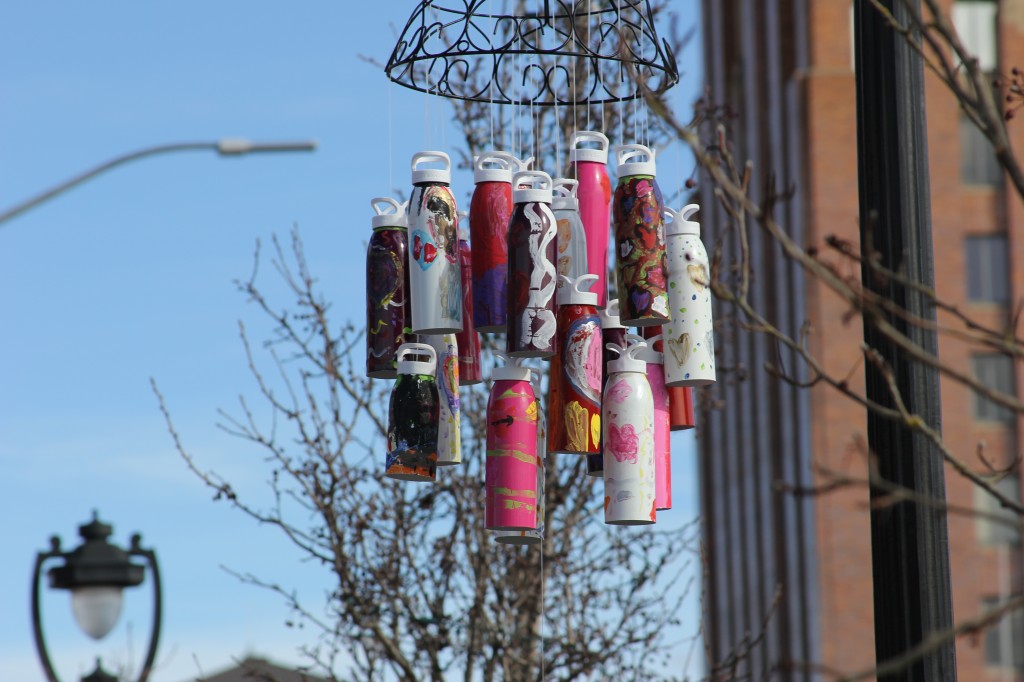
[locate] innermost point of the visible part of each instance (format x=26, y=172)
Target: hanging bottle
x=680, y=405
x=434, y=273
x=449, y=444
x=628, y=418
x=387, y=288
x=468, y=339
x=571, y=242
x=595, y=197
x=575, y=412
x=413, y=416
x=510, y=476
x=639, y=239
x=690, y=336
x=655, y=359
x=612, y=332
x=532, y=277
x=489, y=213
x=532, y=537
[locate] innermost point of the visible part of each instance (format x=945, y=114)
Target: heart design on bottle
x=698, y=275
x=582, y=358
x=640, y=300
x=680, y=348
x=576, y=427
x=424, y=250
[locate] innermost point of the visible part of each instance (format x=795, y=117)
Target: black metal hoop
x=567, y=52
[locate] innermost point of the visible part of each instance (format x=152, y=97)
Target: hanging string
x=543, y=604
x=593, y=67
x=490, y=109
x=618, y=30
x=391, y=182
x=575, y=124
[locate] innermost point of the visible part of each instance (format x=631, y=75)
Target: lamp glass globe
x=96, y=609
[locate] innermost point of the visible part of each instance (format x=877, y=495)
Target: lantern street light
x=96, y=572
x=224, y=147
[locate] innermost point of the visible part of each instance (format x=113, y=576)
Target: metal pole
x=224, y=147
x=909, y=541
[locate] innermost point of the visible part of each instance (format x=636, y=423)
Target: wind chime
x=535, y=269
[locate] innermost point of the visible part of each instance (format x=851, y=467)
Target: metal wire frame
x=567, y=52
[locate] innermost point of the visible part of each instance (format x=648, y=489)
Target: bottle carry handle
x=565, y=187
x=397, y=209
x=407, y=349
x=431, y=157
x=626, y=153
x=588, y=136
x=504, y=160
x=529, y=179
x=683, y=215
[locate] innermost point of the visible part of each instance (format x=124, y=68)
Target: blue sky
x=130, y=277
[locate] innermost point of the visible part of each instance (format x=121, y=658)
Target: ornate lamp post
x=96, y=572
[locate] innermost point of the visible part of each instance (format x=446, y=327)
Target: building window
x=990, y=530
x=975, y=22
x=1003, y=639
x=988, y=276
x=995, y=371
x=978, y=162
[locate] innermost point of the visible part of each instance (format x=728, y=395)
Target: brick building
x=786, y=68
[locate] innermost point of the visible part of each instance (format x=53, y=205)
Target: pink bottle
x=655, y=359
x=532, y=537
x=595, y=198
x=510, y=476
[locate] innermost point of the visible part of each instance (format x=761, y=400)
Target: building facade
x=788, y=580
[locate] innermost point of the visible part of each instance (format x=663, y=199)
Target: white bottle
x=449, y=442
x=571, y=249
x=435, y=275
x=627, y=416
x=690, y=334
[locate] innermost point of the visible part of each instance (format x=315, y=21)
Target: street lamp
x=96, y=573
x=224, y=147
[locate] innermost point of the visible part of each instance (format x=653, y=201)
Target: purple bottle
x=387, y=288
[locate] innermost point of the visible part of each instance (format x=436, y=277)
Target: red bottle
x=574, y=413
x=489, y=213
x=468, y=339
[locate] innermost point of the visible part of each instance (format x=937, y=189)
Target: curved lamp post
x=96, y=572
x=224, y=147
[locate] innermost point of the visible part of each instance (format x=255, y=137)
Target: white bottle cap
x=634, y=159
x=678, y=222
x=416, y=366
x=571, y=292
x=431, y=174
x=563, y=194
x=536, y=187
x=599, y=155
x=510, y=371
x=610, y=315
x=629, y=360
x=390, y=213
x=494, y=167
x=648, y=354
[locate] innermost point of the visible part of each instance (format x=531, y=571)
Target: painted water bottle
x=510, y=475
x=690, y=336
x=612, y=332
x=595, y=198
x=628, y=418
x=655, y=359
x=639, y=239
x=446, y=375
x=434, y=273
x=574, y=414
x=387, y=288
x=571, y=242
x=532, y=537
x=532, y=277
x=468, y=339
x=680, y=408
x=413, y=416
x=489, y=213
